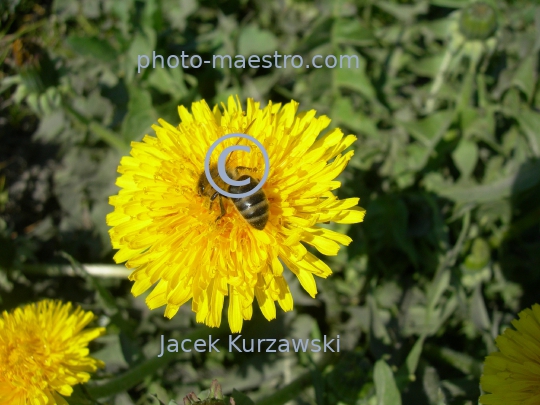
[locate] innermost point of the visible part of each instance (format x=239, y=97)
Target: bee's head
x=204, y=188
x=202, y=185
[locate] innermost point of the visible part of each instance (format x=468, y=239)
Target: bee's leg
x=222, y=208
x=212, y=200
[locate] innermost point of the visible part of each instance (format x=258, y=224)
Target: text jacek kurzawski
x=241, y=345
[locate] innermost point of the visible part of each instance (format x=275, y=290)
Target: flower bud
x=215, y=397
x=478, y=21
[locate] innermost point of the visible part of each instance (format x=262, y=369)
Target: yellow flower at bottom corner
x=43, y=353
x=177, y=240
x=512, y=375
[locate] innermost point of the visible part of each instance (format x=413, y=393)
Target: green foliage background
x=446, y=164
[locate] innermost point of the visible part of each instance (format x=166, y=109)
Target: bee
x=254, y=208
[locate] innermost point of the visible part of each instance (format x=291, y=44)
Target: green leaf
x=136, y=374
x=130, y=378
x=79, y=397
x=144, y=43
x=319, y=34
x=141, y=115
x=463, y=98
x=450, y=3
x=65, y=8
x=461, y=361
x=111, y=352
x=480, y=126
x=178, y=11
x=479, y=256
x=416, y=156
x=465, y=157
x=439, y=28
x=241, y=399
x=389, y=223
x=91, y=9
x=403, y=12
x=169, y=81
x=351, y=32
x=414, y=356
x=428, y=66
x=150, y=19
x=121, y=10
x=92, y=47
x=378, y=318
x=430, y=128
x=108, y=136
x=356, y=120
x=9, y=81
x=525, y=178
x=107, y=300
x=349, y=375
x=353, y=78
x=461, y=387
x=528, y=176
x=431, y=385
x=255, y=41
x=294, y=388
x=437, y=288
x=385, y=385
x=131, y=350
x=529, y=122
x=511, y=103
x=525, y=76
x=50, y=126
x=479, y=314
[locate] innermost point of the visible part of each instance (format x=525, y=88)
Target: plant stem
x=438, y=81
x=149, y=367
x=292, y=390
x=96, y=270
x=105, y=134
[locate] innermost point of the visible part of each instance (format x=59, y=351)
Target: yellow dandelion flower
x=512, y=375
x=172, y=235
x=43, y=353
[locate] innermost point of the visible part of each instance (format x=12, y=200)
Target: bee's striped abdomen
x=254, y=208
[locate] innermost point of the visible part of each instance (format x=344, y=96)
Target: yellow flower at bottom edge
x=173, y=236
x=512, y=375
x=43, y=353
